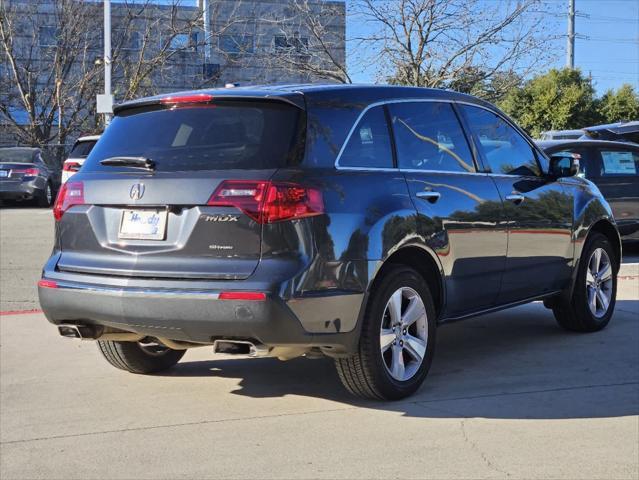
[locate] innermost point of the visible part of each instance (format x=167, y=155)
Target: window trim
x=477, y=157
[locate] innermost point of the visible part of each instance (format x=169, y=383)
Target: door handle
x=429, y=195
x=516, y=198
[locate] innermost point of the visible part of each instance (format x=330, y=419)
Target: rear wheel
x=139, y=357
x=593, y=300
x=397, y=340
x=45, y=198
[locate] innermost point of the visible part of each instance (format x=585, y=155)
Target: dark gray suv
x=345, y=221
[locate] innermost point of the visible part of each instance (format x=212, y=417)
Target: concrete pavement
x=510, y=395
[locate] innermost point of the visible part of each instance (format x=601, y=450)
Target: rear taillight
x=26, y=172
x=71, y=193
x=71, y=166
x=268, y=202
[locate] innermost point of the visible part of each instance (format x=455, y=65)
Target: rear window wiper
x=135, y=162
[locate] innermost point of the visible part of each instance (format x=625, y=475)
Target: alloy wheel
x=599, y=282
x=404, y=334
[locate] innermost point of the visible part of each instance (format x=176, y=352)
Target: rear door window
x=429, y=136
x=369, y=145
x=502, y=147
x=222, y=136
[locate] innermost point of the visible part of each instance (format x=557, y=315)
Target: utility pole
x=206, y=18
x=105, y=101
x=570, y=41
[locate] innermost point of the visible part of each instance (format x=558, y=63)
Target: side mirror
x=564, y=165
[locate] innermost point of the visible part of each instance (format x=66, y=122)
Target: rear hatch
x=191, y=212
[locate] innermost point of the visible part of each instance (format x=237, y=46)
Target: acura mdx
x=341, y=221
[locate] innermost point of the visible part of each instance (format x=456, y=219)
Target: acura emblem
x=137, y=191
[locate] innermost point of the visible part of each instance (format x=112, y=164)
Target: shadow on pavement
x=513, y=364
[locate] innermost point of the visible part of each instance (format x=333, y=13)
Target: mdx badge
x=221, y=218
x=137, y=191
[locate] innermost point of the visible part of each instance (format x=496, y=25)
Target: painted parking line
x=4, y=313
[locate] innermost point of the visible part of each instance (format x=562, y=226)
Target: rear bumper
x=198, y=315
x=10, y=190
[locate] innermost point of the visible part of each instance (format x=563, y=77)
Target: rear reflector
x=47, y=284
x=268, y=202
x=71, y=193
x=252, y=296
x=181, y=99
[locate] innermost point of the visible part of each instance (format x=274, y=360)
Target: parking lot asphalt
x=510, y=395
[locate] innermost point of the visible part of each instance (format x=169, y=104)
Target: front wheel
x=593, y=300
x=139, y=357
x=397, y=340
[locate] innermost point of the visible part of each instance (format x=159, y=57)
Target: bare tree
x=51, y=59
x=49, y=73
x=309, y=40
x=458, y=43
x=153, y=39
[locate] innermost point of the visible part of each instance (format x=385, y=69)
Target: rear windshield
x=16, y=155
x=227, y=135
x=82, y=149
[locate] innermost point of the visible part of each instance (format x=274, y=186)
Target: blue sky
x=610, y=52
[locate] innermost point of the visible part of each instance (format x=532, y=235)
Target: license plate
x=4, y=173
x=143, y=224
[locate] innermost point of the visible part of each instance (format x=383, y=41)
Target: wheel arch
x=607, y=228
x=425, y=263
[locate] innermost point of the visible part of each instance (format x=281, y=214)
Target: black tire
x=574, y=314
x=366, y=374
x=46, y=197
x=132, y=357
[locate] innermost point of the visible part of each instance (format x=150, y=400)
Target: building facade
x=56, y=46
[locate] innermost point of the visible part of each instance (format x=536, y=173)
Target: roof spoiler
x=194, y=98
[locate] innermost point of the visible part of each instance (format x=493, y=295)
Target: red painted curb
x=18, y=312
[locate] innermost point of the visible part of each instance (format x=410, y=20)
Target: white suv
x=81, y=149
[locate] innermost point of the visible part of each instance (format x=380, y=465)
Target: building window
x=236, y=44
x=290, y=44
x=184, y=41
x=48, y=36
x=130, y=40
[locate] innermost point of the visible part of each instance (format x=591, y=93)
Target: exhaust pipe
x=82, y=332
x=241, y=347
x=96, y=332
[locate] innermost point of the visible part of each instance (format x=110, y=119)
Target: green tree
x=557, y=100
x=620, y=105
